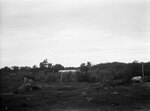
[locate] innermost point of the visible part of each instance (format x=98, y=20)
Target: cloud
x=78, y=29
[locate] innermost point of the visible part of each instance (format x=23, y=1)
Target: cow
x=136, y=79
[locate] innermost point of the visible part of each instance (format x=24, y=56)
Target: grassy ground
x=80, y=97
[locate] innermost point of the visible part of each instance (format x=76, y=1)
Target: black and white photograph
x=75, y=55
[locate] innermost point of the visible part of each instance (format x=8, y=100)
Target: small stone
x=83, y=93
x=89, y=99
x=105, y=88
x=6, y=108
x=27, y=98
x=114, y=92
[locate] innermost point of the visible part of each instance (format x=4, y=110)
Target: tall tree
x=83, y=67
x=44, y=64
x=88, y=64
x=57, y=67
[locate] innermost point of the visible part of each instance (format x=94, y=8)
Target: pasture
x=102, y=87
x=79, y=97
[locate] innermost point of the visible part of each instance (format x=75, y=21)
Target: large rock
x=25, y=88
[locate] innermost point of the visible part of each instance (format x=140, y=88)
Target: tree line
x=114, y=72
x=43, y=66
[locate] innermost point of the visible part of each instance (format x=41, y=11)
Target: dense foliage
x=108, y=73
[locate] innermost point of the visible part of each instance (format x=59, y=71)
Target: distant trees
x=85, y=67
x=6, y=69
x=48, y=67
x=43, y=65
x=35, y=67
x=83, y=76
x=88, y=64
x=105, y=72
x=15, y=68
x=57, y=67
x=25, y=68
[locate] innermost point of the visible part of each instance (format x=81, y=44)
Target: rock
x=27, y=98
x=84, y=94
x=25, y=88
x=105, y=88
x=89, y=99
x=114, y=92
x=6, y=108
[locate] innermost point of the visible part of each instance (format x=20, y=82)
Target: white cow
x=136, y=79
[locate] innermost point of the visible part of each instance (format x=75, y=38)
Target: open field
x=80, y=97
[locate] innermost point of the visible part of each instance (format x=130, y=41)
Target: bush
x=83, y=77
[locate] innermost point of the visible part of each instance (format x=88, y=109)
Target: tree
x=49, y=65
x=35, y=67
x=15, y=68
x=57, y=67
x=44, y=64
x=135, y=61
x=6, y=69
x=83, y=67
x=25, y=68
x=88, y=64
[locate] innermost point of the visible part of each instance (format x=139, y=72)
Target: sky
x=71, y=32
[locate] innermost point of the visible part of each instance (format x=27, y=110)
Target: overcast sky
x=71, y=32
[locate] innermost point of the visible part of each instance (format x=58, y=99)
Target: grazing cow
x=136, y=79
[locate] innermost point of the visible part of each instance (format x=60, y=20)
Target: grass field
x=79, y=97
